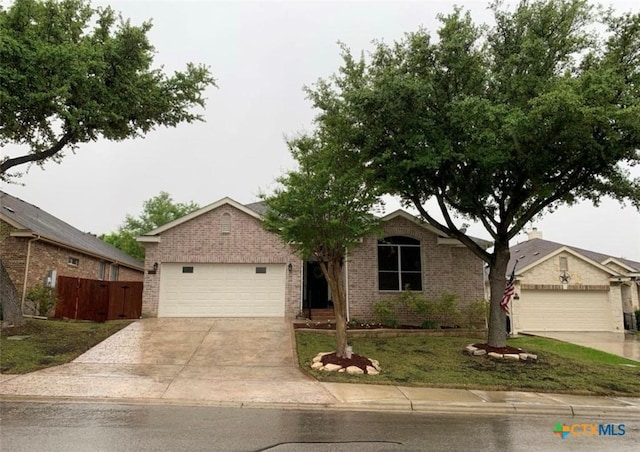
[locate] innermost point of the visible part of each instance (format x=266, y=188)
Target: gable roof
x=533, y=251
x=190, y=216
x=258, y=209
x=31, y=221
x=443, y=238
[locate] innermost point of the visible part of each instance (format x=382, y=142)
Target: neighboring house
x=219, y=262
x=36, y=247
x=564, y=288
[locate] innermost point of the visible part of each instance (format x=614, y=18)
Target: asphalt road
x=33, y=427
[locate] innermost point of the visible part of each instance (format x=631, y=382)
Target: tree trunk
x=497, y=335
x=11, y=309
x=334, y=273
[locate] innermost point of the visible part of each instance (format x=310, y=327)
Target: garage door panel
x=222, y=290
x=548, y=310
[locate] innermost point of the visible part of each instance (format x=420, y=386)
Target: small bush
x=475, y=315
x=42, y=299
x=430, y=325
x=385, y=313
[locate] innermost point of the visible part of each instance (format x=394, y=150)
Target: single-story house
x=36, y=247
x=220, y=262
x=563, y=288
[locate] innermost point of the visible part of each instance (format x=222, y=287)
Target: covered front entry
x=221, y=290
x=317, y=294
x=563, y=310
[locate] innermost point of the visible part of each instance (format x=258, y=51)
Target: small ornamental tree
x=496, y=124
x=71, y=74
x=323, y=209
x=157, y=211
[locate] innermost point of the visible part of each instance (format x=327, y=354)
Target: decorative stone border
x=471, y=350
x=316, y=364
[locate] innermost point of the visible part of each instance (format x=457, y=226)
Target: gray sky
x=262, y=54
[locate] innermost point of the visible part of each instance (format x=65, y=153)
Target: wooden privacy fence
x=92, y=299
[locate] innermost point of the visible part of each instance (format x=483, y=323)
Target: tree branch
x=37, y=156
x=452, y=230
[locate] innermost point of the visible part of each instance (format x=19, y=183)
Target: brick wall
x=202, y=240
x=45, y=257
x=445, y=268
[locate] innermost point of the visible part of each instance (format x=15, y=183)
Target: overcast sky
x=262, y=54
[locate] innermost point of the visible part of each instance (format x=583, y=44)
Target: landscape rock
x=511, y=357
x=523, y=356
x=332, y=367
x=479, y=352
x=494, y=355
x=354, y=370
x=372, y=371
x=470, y=349
x=316, y=365
x=532, y=357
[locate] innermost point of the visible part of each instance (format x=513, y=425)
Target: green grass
x=439, y=362
x=51, y=343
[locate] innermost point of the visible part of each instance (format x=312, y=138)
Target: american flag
x=509, y=290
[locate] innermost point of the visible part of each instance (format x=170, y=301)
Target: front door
x=317, y=294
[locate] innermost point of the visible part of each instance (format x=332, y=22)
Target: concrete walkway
x=621, y=344
x=251, y=363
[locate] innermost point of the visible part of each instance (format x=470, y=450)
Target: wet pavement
x=622, y=344
x=252, y=363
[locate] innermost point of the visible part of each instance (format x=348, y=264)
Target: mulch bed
x=355, y=360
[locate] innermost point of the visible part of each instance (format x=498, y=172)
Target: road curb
x=624, y=413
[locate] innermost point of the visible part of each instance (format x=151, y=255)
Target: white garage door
x=558, y=310
x=222, y=290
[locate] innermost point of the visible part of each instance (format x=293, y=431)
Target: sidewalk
x=60, y=384
x=251, y=363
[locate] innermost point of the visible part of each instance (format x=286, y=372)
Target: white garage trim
x=562, y=310
x=221, y=290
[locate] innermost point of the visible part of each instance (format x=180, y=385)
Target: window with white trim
x=73, y=261
x=399, y=264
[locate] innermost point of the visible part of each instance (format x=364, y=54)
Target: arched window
x=225, y=223
x=399, y=264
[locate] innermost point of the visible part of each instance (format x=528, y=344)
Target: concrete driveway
x=621, y=344
x=206, y=359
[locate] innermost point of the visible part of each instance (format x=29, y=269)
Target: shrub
x=385, y=313
x=475, y=314
x=42, y=299
x=430, y=325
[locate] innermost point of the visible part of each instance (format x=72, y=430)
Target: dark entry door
x=317, y=292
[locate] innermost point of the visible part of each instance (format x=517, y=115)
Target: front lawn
x=47, y=343
x=439, y=362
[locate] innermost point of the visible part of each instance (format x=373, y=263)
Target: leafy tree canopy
x=71, y=73
x=157, y=211
x=323, y=209
x=497, y=123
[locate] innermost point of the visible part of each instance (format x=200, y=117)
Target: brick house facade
x=449, y=267
x=35, y=246
x=227, y=234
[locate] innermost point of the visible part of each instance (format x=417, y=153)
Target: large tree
x=323, y=209
x=70, y=74
x=157, y=211
x=497, y=124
